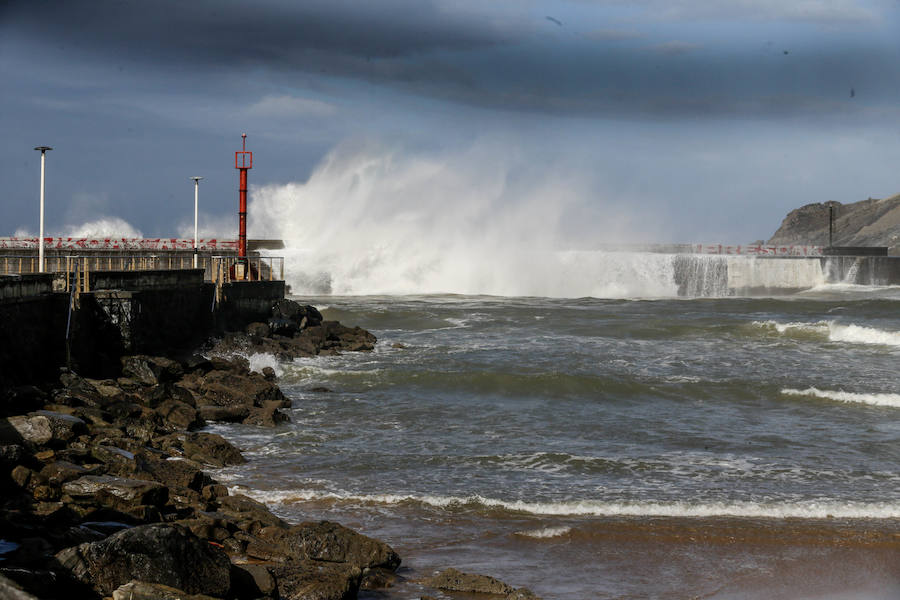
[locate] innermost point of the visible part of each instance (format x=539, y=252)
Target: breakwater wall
x=152, y=312
x=718, y=275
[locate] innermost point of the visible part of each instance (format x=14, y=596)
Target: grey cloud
x=236, y=33
x=454, y=52
x=676, y=47
x=612, y=35
x=823, y=12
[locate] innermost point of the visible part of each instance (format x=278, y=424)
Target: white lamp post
x=43, y=150
x=196, y=205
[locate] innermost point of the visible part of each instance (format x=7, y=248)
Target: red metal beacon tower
x=243, y=160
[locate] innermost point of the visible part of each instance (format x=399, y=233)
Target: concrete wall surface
x=145, y=280
x=22, y=286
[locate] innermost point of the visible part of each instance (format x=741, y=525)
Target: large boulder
x=289, y=317
x=331, y=335
x=209, y=449
x=227, y=388
x=314, y=580
x=171, y=471
x=456, y=581
x=160, y=553
x=248, y=514
x=107, y=490
x=331, y=542
x=10, y=590
x=42, y=428
x=141, y=590
x=151, y=370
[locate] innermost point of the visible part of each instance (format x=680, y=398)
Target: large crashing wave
x=371, y=221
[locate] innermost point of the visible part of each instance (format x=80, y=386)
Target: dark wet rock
x=197, y=364
x=108, y=390
x=226, y=414
x=177, y=473
x=213, y=491
x=378, y=579
x=266, y=416
x=331, y=542
x=205, y=448
x=141, y=590
x=42, y=428
x=268, y=373
x=125, y=409
x=258, y=330
x=11, y=454
x=151, y=370
x=10, y=590
x=457, y=581
x=333, y=335
x=314, y=580
x=398, y=346
x=22, y=476
x=117, y=461
x=117, y=491
x=224, y=388
x=179, y=415
x=248, y=514
x=78, y=391
x=522, y=594
x=235, y=364
x=252, y=581
x=289, y=317
x=128, y=384
x=160, y=553
x=61, y=471
x=156, y=395
x=21, y=400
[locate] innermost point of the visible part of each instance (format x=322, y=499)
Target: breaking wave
x=833, y=332
x=806, y=509
x=892, y=400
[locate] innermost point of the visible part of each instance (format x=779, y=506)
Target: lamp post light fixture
x=196, y=180
x=43, y=150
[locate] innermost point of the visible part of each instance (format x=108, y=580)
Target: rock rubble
x=104, y=489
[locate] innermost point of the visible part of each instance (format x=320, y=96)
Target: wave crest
x=892, y=400
x=809, y=509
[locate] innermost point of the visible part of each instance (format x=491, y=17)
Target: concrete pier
x=114, y=313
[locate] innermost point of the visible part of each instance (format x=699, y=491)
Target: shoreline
x=108, y=491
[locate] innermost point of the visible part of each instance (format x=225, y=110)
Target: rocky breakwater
x=106, y=490
x=295, y=331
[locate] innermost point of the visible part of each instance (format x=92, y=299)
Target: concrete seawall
x=717, y=275
x=151, y=312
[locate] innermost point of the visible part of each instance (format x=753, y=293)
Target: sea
x=622, y=445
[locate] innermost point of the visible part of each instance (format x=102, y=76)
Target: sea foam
x=834, y=332
x=892, y=400
x=806, y=509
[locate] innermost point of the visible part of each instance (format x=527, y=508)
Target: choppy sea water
x=705, y=448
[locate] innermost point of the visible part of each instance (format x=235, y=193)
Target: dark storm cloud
x=497, y=56
x=262, y=31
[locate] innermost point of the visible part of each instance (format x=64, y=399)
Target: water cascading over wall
x=701, y=275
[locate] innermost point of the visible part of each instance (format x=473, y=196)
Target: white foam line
x=837, y=332
x=808, y=509
x=546, y=532
x=892, y=400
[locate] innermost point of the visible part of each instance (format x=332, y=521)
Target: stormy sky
x=687, y=120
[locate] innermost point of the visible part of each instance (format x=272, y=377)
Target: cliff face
x=869, y=222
